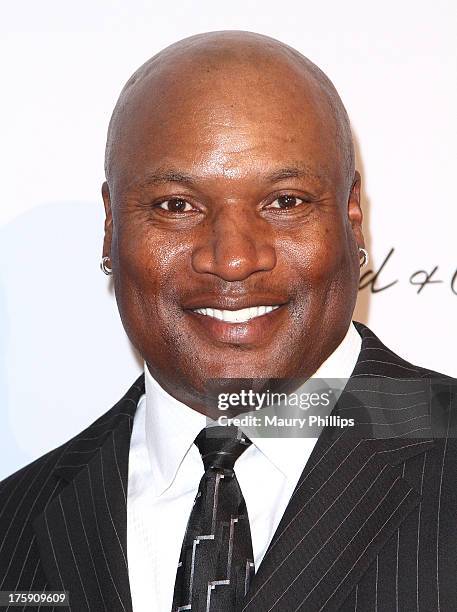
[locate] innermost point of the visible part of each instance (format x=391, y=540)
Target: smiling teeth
x=236, y=316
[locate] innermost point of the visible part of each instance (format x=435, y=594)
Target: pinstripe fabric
x=63, y=517
x=371, y=524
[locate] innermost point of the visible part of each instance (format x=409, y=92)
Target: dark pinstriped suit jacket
x=371, y=525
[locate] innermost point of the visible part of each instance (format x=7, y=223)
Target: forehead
x=228, y=123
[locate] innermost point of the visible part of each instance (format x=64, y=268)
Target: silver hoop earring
x=364, y=253
x=104, y=268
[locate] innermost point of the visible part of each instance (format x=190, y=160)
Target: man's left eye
x=175, y=205
x=286, y=201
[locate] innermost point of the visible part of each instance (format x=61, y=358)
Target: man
x=233, y=234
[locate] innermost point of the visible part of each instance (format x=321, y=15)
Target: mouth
x=243, y=315
x=252, y=325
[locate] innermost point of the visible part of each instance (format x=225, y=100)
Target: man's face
x=233, y=230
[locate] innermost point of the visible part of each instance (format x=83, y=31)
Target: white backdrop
x=64, y=356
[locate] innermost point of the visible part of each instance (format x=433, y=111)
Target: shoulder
x=378, y=359
x=23, y=496
x=382, y=380
x=25, y=493
x=31, y=480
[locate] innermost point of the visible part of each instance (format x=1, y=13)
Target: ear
x=108, y=221
x=355, y=215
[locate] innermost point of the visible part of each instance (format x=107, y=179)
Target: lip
x=255, y=331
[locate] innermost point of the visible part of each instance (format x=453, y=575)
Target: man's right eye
x=175, y=205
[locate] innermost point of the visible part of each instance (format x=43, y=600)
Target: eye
x=175, y=205
x=286, y=201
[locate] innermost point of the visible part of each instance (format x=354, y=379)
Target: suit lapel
x=351, y=496
x=82, y=534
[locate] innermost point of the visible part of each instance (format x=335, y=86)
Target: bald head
x=243, y=72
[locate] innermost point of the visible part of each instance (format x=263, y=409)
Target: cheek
x=141, y=264
x=316, y=255
x=150, y=260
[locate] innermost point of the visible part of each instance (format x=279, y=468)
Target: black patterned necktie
x=216, y=562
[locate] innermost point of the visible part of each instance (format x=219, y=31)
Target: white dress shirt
x=165, y=468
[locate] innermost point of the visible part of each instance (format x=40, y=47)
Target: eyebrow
x=300, y=171
x=176, y=176
x=169, y=176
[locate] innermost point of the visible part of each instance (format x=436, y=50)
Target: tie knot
x=220, y=446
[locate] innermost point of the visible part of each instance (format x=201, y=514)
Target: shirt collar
x=171, y=426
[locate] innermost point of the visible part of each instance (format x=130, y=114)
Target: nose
x=234, y=245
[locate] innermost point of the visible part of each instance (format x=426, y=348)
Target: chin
x=242, y=365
